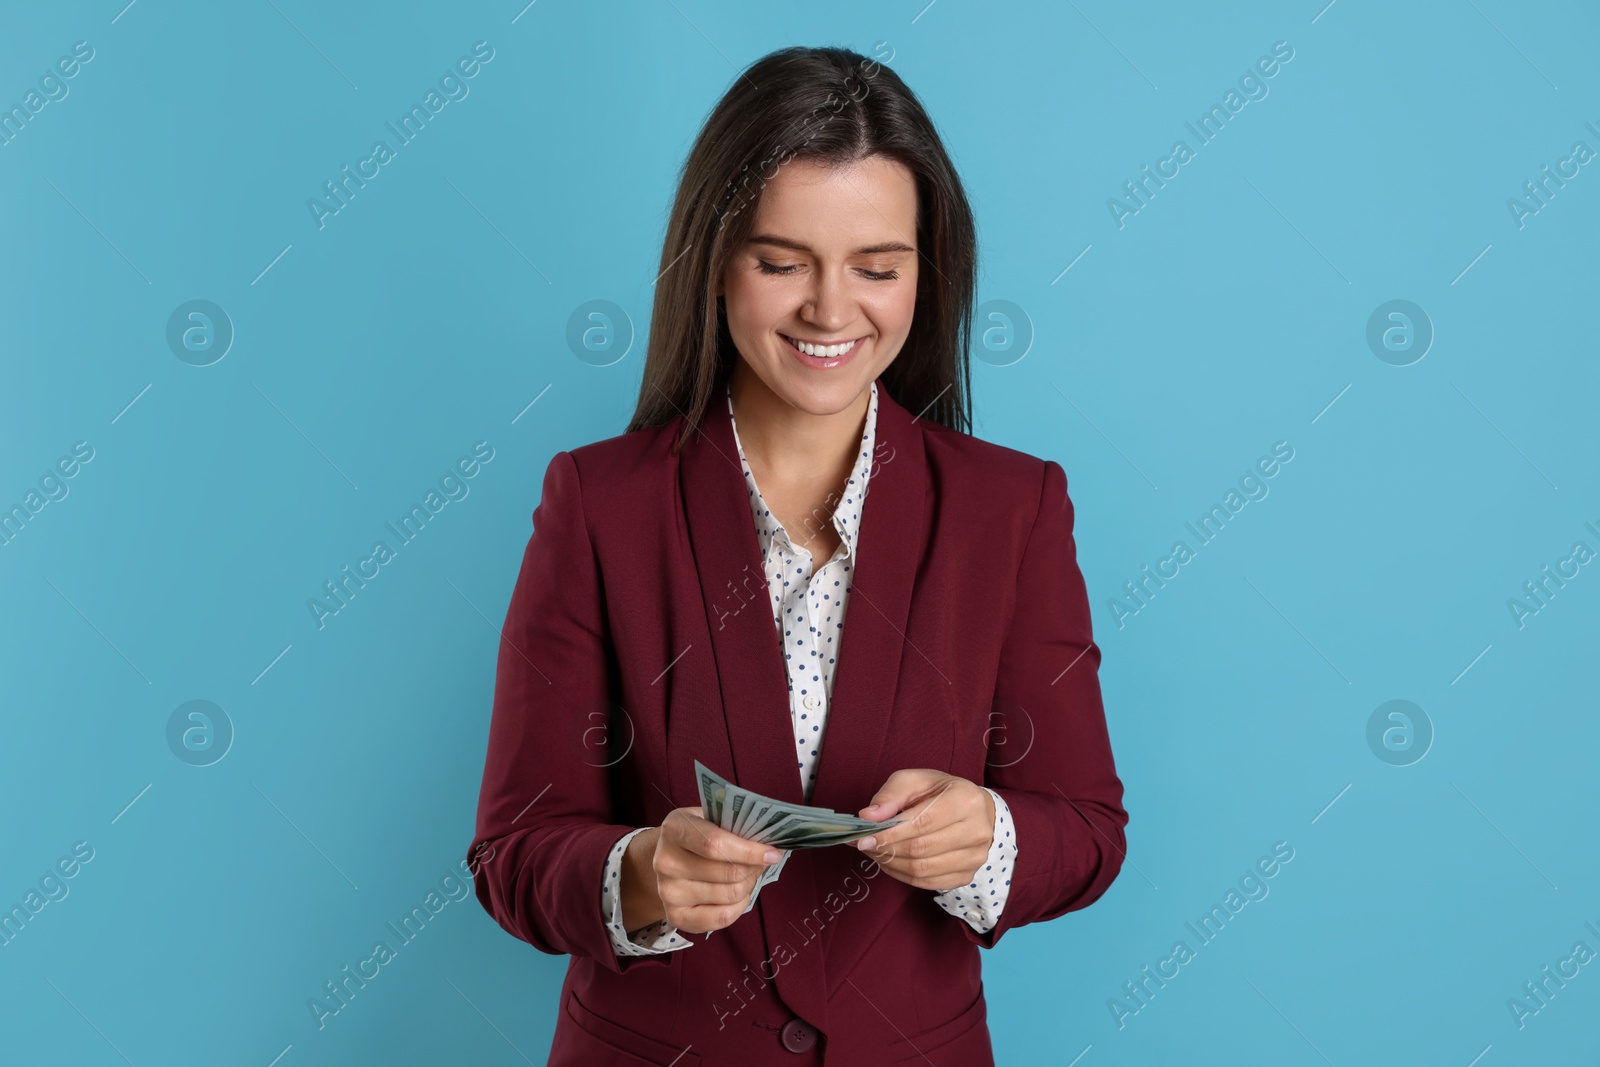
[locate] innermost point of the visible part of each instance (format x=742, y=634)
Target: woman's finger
x=945, y=871
x=959, y=837
x=701, y=837
x=681, y=854
x=925, y=817
x=691, y=867
x=938, y=860
x=902, y=789
x=690, y=893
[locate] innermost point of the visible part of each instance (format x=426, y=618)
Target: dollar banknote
x=778, y=823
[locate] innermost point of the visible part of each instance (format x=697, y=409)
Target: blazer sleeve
x=545, y=821
x=1063, y=790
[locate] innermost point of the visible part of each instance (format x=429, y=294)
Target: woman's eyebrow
x=869, y=250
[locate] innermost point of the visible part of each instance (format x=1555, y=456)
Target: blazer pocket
x=918, y=1047
x=630, y=1043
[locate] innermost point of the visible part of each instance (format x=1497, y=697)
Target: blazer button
x=797, y=1035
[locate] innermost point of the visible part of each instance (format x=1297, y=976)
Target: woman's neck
x=791, y=446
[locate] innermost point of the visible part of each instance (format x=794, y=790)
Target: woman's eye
x=875, y=275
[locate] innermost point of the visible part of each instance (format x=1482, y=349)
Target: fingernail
x=770, y=856
x=866, y=842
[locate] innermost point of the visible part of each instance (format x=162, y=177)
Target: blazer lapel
x=744, y=642
x=749, y=661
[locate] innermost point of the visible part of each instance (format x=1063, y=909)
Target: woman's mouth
x=822, y=356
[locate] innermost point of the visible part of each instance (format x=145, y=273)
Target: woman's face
x=831, y=261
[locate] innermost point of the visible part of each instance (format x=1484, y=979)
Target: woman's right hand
x=703, y=875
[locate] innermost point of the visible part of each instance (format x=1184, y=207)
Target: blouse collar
x=847, y=512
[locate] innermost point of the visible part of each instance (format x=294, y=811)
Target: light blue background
x=429, y=313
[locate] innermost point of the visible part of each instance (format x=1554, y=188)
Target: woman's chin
x=826, y=398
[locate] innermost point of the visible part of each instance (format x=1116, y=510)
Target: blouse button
x=811, y=701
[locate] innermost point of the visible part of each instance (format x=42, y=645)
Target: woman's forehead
x=844, y=208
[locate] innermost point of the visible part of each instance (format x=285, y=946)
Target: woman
x=799, y=451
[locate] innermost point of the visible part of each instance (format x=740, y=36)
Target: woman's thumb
x=891, y=797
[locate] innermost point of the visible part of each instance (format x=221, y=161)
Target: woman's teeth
x=822, y=351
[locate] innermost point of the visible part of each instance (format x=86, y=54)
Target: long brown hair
x=831, y=106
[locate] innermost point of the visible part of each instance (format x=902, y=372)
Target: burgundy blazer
x=640, y=638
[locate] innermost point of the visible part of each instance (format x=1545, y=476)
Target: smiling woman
x=860, y=215
x=805, y=297
x=800, y=442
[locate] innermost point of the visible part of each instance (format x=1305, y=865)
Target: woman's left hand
x=948, y=830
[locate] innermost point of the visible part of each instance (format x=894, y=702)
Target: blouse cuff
x=980, y=902
x=654, y=939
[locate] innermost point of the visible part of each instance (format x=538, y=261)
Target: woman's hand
x=948, y=830
x=702, y=874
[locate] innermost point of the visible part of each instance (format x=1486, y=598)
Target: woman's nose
x=830, y=306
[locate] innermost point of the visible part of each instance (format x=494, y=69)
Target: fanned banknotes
x=778, y=823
